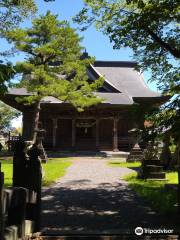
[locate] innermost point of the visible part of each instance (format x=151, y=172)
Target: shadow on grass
x=116, y=163
x=163, y=199
x=6, y=160
x=120, y=164
x=135, y=168
x=73, y=207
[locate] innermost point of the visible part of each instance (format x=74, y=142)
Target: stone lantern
x=136, y=152
x=40, y=137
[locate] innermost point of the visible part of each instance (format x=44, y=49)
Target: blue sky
x=95, y=42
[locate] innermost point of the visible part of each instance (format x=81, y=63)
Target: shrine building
x=101, y=127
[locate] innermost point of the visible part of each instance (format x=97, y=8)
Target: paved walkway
x=91, y=198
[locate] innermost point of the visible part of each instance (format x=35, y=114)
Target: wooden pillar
x=54, y=131
x=97, y=134
x=115, y=135
x=73, y=133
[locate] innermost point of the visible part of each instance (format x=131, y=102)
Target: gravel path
x=92, y=198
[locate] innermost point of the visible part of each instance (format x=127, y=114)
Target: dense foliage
x=7, y=114
x=54, y=65
x=151, y=30
x=11, y=14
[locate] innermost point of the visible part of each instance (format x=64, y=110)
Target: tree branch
x=175, y=52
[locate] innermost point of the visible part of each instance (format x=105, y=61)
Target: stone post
x=54, y=131
x=115, y=135
x=40, y=137
x=34, y=176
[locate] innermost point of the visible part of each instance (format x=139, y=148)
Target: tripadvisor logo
x=139, y=231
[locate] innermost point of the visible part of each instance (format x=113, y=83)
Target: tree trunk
x=36, y=122
x=172, y=50
x=36, y=135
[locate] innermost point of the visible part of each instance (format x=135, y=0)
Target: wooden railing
x=12, y=142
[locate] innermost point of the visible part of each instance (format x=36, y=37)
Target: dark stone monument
x=27, y=173
x=34, y=175
x=19, y=164
x=151, y=167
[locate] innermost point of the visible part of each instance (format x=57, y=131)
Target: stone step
x=134, y=157
x=153, y=168
x=157, y=179
x=156, y=175
x=136, y=153
x=119, y=154
x=152, y=162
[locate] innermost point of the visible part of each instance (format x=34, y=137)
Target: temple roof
x=124, y=78
x=116, y=98
x=123, y=85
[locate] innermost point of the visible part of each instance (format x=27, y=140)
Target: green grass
x=54, y=169
x=172, y=177
x=125, y=164
x=160, y=198
x=7, y=168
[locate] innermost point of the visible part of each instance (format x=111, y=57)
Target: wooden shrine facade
x=101, y=127
x=94, y=130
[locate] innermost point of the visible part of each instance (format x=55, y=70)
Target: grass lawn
x=125, y=164
x=54, y=169
x=7, y=168
x=162, y=199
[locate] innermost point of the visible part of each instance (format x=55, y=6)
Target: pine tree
x=53, y=65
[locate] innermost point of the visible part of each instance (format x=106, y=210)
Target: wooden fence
x=12, y=140
x=20, y=205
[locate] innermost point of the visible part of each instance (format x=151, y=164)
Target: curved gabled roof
x=125, y=78
x=115, y=98
x=123, y=86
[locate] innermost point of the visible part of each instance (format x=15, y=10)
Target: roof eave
x=154, y=99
